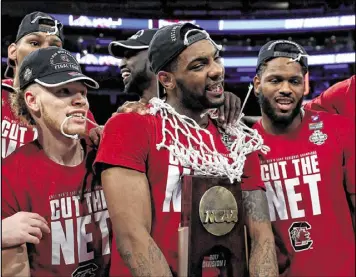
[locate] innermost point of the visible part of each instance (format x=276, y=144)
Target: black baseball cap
x=39, y=22
x=169, y=42
x=35, y=22
x=139, y=41
x=7, y=87
x=268, y=52
x=52, y=67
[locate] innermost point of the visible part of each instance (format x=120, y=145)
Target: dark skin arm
x=263, y=259
x=128, y=198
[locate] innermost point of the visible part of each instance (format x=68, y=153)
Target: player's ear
x=167, y=80
x=12, y=52
x=31, y=100
x=256, y=84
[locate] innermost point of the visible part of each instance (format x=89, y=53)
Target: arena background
x=325, y=29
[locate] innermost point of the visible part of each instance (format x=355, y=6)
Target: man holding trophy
x=142, y=160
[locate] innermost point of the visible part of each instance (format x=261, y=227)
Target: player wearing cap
x=37, y=30
x=138, y=77
x=52, y=176
x=338, y=99
x=310, y=171
x=142, y=183
x=135, y=70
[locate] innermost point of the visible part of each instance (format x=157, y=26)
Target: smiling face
x=198, y=77
x=50, y=106
x=135, y=71
x=280, y=90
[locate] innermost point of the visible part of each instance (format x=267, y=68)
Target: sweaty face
x=200, y=76
x=280, y=90
x=32, y=42
x=59, y=102
x=135, y=71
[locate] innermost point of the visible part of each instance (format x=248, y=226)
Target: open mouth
x=76, y=114
x=215, y=89
x=77, y=117
x=125, y=74
x=284, y=103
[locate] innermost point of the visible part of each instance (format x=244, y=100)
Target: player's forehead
x=79, y=86
x=283, y=67
x=203, y=48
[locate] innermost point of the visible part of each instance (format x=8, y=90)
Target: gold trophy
x=211, y=235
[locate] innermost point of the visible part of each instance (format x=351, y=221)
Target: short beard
x=194, y=101
x=280, y=122
x=53, y=124
x=140, y=81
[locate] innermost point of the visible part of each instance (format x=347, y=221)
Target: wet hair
x=282, y=47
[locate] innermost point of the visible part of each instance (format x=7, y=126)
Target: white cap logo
x=28, y=73
x=137, y=35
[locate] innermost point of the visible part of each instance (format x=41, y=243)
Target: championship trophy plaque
x=211, y=234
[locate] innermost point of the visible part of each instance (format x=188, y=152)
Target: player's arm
x=347, y=140
x=334, y=99
x=263, y=260
x=129, y=203
x=18, y=225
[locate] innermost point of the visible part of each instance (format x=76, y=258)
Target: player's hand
x=95, y=134
x=23, y=227
x=133, y=107
x=229, y=112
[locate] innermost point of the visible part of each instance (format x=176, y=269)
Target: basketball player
x=138, y=77
x=338, y=99
x=142, y=184
x=37, y=30
x=51, y=176
x=310, y=171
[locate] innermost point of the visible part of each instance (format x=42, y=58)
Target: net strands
x=197, y=154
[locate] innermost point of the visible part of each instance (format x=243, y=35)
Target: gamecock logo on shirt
x=87, y=270
x=300, y=236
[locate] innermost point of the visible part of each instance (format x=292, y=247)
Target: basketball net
x=76, y=136
x=197, y=154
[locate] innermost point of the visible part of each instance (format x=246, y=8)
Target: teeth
x=125, y=75
x=284, y=101
x=77, y=114
x=214, y=88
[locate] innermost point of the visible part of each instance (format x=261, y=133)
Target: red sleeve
x=11, y=190
x=125, y=141
x=91, y=117
x=347, y=140
x=251, y=179
x=334, y=99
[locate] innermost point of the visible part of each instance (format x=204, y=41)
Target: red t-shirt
x=306, y=174
x=15, y=133
x=338, y=99
x=79, y=242
x=129, y=140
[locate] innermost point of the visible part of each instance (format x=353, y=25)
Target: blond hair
x=19, y=107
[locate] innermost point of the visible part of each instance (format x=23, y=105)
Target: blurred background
x=325, y=29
